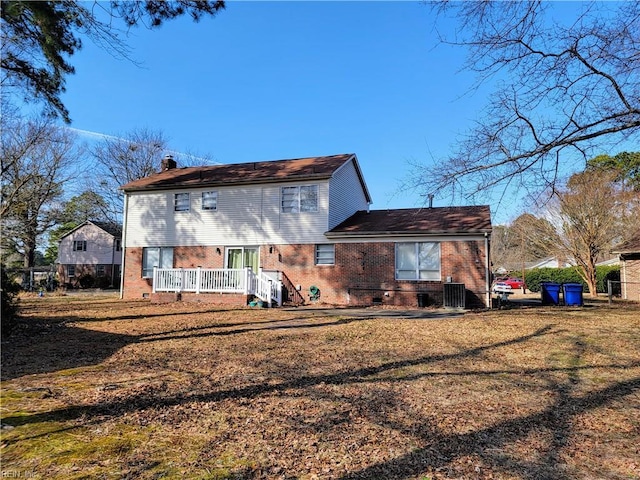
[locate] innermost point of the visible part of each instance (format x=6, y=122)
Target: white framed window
x=243, y=257
x=161, y=257
x=181, y=202
x=418, y=261
x=209, y=200
x=325, y=254
x=79, y=245
x=100, y=270
x=71, y=271
x=303, y=198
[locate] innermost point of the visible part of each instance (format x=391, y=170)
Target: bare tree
x=589, y=216
x=125, y=158
x=527, y=239
x=37, y=159
x=561, y=89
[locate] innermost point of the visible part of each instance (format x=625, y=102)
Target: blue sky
x=274, y=80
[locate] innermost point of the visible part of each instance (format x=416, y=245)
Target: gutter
x=403, y=233
x=487, y=271
x=123, y=243
x=200, y=184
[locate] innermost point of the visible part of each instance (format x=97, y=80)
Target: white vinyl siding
x=245, y=215
x=99, y=247
x=346, y=195
x=418, y=261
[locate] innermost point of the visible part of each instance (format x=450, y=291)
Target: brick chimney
x=168, y=163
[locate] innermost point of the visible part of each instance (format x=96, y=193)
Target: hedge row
x=536, y=276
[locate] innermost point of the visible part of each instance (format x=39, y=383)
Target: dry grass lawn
x=101, y=388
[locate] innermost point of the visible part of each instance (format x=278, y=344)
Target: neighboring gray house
x=90, y=255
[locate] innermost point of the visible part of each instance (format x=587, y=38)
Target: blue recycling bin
x=550, y=293
x=572, y=293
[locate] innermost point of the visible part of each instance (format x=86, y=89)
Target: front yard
x=102, y=388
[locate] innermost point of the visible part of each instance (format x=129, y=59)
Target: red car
x=513, y=282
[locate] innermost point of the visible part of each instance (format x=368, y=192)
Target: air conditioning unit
x=454, y=295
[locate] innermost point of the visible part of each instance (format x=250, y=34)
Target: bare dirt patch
x=102, y=388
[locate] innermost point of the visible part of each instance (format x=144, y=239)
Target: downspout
x=487, y=271
x=123, y=243
x=113, y=262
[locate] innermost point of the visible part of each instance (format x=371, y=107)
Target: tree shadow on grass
x=440, y=450
x=51, y=348
x=437, y=449
x=157, y=399
x=45, y=345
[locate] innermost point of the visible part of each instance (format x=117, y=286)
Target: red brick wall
x=183, y=257
x=363, y=273
x=84, y=269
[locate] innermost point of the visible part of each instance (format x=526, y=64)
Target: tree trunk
x=589, y=275
x=30, y=253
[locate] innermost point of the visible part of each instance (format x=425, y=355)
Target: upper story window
x=79, y=245
x=181, y=202
x=118, y=245
x=209, y=200
x=303, y=198
x=418, y=261
x=325, y=254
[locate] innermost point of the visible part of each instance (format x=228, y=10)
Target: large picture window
x=303, y=198
x=418, y=261
x=161, y=257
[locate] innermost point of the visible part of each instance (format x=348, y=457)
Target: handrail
x=217, y=280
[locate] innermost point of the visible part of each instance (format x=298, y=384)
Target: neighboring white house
x=304, y=221
x=90, y=255
x=550, y=262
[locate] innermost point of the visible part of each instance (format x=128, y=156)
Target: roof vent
x=168, y=163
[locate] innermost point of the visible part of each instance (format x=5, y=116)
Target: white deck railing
x=218, y=280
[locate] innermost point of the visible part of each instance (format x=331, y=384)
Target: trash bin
x=550, y=293
x=423, y=300
x=572, y=293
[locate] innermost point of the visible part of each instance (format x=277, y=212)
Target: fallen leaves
x=194, y=391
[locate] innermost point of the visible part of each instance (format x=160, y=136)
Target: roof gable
x=112, y=229
x=299, y=169
x=437, y=220
x=630, y=246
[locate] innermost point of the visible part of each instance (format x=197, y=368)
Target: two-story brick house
x=92, y=251
x=307, y=222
